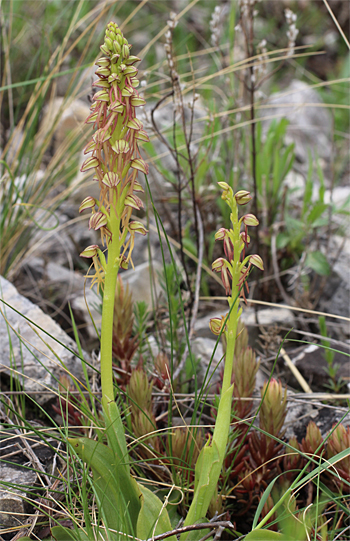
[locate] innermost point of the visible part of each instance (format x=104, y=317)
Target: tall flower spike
x=113, y=152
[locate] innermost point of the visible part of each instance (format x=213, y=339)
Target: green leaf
x=206, y=477
x=153, y=517
x=116, y=434
x=117, y=492
x=316, y=211
x=62, y=534
x=317, y=261
x=282, y=240
x=265, y=535
x=262, y=502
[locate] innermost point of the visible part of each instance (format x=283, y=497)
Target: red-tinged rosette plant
x=126, y=508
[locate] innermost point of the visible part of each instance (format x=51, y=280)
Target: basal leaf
x=153, y=517
x=265, y=535
x=117, y=491
x=318, y=262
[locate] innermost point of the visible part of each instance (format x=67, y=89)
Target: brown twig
x=202, y=526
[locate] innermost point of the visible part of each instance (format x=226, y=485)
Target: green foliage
x=273, y=162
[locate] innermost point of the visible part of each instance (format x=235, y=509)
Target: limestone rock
x=13, y=508
x=310, y=125
x=144, y=281
x=37, y=359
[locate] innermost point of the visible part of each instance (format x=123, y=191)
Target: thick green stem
x=212, y=456
x=111, y=275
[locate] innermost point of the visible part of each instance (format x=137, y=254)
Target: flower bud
x=141, y=135
x=87, y=203
x=125, y=51
x=218, y=264
x=243, y=197
x=137, y=102
x=101, y=95
x=216, y=325
x=110, y=179
x=134, y=202
x=90, y=163
x=98, y=220
x=127, y=92
x=109, y=44
x=134, y=124
x=121, y=146
x=256, y=260
x=138, y=227
x=224, y=186
x=140, y=165
x=116, y=47
x=273, y=409
x=132, y=60
x=103, y=62
x=221, y=234
x=104, y=49
x=90, y=251
x=250, y=219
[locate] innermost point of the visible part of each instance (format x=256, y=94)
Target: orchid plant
x=234, y=271
x=128, y=508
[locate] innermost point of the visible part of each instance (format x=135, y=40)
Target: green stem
x=111, y=275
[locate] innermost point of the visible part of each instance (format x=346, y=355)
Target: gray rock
x=300, y=412
x=61, y=286
x=13, y=507
x=65, y=237
x=208, y=369
x=144, y=281
x=310, y=126
x=312, y=365
x=336, y=296
x=37, y=359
